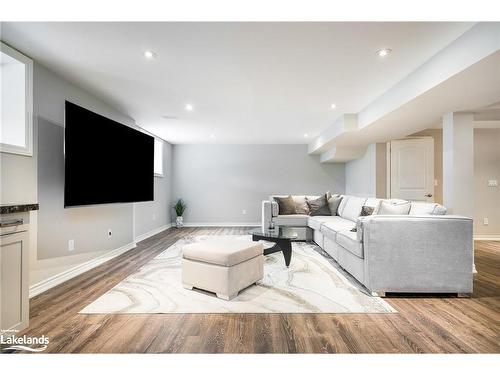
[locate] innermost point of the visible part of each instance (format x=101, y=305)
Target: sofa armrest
x=270, y=209
x=428, y=253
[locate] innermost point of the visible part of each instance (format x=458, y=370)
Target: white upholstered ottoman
x=222, y=267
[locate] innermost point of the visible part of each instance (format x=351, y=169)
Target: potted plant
x=179, y=208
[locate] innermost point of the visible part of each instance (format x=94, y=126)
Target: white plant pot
x=179, y=222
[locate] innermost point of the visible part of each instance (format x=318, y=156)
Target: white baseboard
x=151, y=233
x=189, y=225
x=55, y=280
x=487, y=238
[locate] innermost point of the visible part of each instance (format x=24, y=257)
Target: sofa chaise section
x=420, y=254
x=425, y=251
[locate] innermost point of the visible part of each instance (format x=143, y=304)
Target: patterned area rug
x=314, y=283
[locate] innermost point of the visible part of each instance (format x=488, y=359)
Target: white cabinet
x=14, y=259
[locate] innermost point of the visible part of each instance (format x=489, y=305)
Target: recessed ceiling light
x=384, y=52
x=306, y=135
x=149, y=54
x=333, y=106
x=188, y=107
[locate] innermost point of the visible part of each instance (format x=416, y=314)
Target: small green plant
x=180, y=207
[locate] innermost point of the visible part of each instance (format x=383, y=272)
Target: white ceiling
x=248, y=82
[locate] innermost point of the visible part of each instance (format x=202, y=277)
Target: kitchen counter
x=6, y=209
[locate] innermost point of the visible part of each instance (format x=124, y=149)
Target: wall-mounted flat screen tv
x=105, y=161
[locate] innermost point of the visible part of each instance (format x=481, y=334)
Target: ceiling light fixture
x=188, y=107
x=384, y=52
x=306, y=135
x=149, y=54
x=333, y=106
x=212, y=136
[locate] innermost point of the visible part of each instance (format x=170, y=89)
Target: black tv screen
x=105, y=161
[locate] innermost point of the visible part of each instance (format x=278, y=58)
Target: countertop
x=17, y=208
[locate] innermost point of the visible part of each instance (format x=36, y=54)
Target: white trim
x=55, y=280
x=27, y=149
x=159, y=141
x=487, y=238
x=189, y=225
x=151, y=233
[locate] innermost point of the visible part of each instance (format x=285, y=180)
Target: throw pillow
x=301, y=206
x=367, y=210
x=387, y=208
x=319, y=206
x=286, y=205
x=333, y=204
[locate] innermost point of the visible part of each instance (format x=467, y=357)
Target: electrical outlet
x=71, y=245
x=244, y=212
x=110, y=233
x=492, y=183
x=485, y=221
x=436, y=183
x=154, y=217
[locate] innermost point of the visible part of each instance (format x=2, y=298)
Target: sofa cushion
x=315, y=222
x=333, y=203
x=350, y=242
x=292, y=220
x=353, y=208
x=222, y=252
x=425, y=208
x=342, y=204
x=387, y=208
x=319, y=206
x=337, y=224
x=286, y=204
x=373, y=202
x=301, y=206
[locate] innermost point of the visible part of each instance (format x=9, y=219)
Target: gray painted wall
x=218, y=182
x=152, y=215
x=486, y=167
x=88, y=226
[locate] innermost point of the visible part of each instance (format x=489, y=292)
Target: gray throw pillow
x=334, y=203
x=286, y=205
x=367, y=210
x=319, y=206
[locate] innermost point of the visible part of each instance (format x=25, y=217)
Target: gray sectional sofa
x=423, y=251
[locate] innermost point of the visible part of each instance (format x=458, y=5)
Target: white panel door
x=412, y=169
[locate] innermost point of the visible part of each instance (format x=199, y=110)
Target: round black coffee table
x=282, y=238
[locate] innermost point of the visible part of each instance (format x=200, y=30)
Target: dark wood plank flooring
x=423, y=324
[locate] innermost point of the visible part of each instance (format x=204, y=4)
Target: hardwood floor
x=423, y=324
